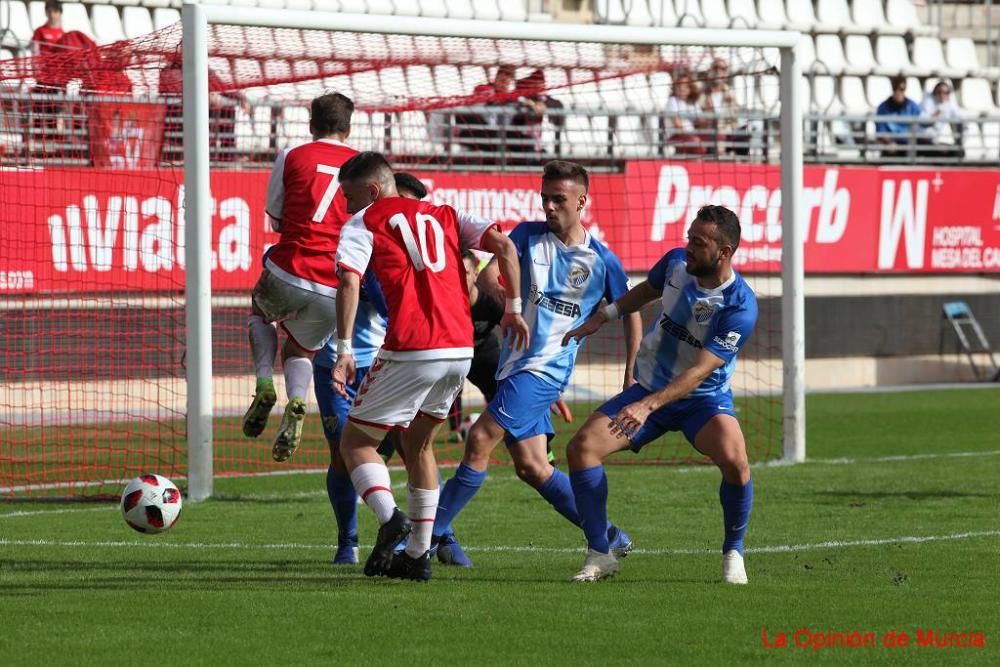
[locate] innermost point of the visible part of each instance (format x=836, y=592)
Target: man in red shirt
x=415, y=251
x=298, y=287
x=47, y=35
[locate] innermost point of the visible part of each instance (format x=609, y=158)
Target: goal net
x=92, y=231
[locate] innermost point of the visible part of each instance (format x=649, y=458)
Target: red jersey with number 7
x=304, y=198
x=415, y=251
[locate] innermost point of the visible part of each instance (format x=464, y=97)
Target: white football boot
x=733, y=571
x=597, y=566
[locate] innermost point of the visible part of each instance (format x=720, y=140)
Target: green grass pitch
x=892, y=526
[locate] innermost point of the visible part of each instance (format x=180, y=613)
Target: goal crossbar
x=195, y=21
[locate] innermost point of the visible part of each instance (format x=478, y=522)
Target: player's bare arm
x=347, y=307
x=505, y=257
x=631, y=418
x=632, y=329
x=632, y=302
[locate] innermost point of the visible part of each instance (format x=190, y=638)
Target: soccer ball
x=151, y=503
x=466, y=425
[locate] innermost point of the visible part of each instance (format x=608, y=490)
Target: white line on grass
x=10, y=515
x=291, y=546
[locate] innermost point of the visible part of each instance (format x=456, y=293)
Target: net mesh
x=92, y=241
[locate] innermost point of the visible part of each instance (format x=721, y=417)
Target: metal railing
x=40, y=130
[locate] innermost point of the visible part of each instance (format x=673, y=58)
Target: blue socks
x=590, y=487
x=344, y=500
x=736, y=502
x=559, y=492
x=455, y=495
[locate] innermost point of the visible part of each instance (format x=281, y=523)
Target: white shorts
x=394, y=392
x=308, y=317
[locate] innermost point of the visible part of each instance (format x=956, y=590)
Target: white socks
x=371, y=481
x=298, y=373
x=263, y=345
x=422, y=509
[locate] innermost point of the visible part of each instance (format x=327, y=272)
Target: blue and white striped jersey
x=369, y=328
x=719, y=320
x=561, y=286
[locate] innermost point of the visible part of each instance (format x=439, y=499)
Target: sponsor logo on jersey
x=729, y=342
x=679, y=332
x=552, y=304
x=578, y=276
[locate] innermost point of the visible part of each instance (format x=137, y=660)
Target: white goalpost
x=196, y=20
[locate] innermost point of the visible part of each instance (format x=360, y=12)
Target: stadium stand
x=848, y=50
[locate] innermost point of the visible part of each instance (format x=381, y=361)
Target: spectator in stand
x=940, y=107
x=682, y=112
x=896, y=136
x=47, y=35
x=718, y=99
x=480, y=132
x=532, y=104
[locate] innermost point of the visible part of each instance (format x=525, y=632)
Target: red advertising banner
x=857, y=220
x=105, y=230
x=124, y=135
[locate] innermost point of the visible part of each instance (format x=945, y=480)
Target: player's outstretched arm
x=632, y=302
x=348, y=295
x=505, y=255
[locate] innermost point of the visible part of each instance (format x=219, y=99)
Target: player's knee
x=479, y=445
x=533, y=473
x=732, y=461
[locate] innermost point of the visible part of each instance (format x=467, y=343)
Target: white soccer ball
x=151, y=503
x=466, y=425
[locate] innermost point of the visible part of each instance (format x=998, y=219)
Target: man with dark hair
x=891, y=133
x=368, y=336
x=688, y=356
x=566, y=273
x=415, y=251
x=298, y=286
x=47, y=35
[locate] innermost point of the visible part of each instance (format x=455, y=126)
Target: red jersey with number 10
x=304, y=195
x=415, y=250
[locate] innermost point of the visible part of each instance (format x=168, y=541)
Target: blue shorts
x=687, y=415
x=521, y=407
x=333, y=407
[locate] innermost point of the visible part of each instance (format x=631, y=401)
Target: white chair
x=807, y=53
x=928, y=56
x=639, y=15
x=448, y=81
x=903, y=14
x=716, y=13
x=877, y=89
x=586, y=136
x=891, y=54
x=420, y=81
x=639, y=95
x=768, y=91
x=972, y=141
x=852, y=96
x=869, y=16
x=136, y=21
x=253, y=130
x=486, y=10
x=961, y=53
x=107, y=24
x=824, y=95
x=75, y=18
x=18, y=23
x=689, y=13
x=991, y=139
x=743, y=14
x=772, y=15
x=835, y=13
x=830, y=55
x=976, y=96
x=164, y=16
x=858, y=49
x=633, y=139
x=293, y=129
x=612, y=94
x=610, y=11
x=800, y=15
x=409, y=134
x=458, y=9
x=512, y=10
